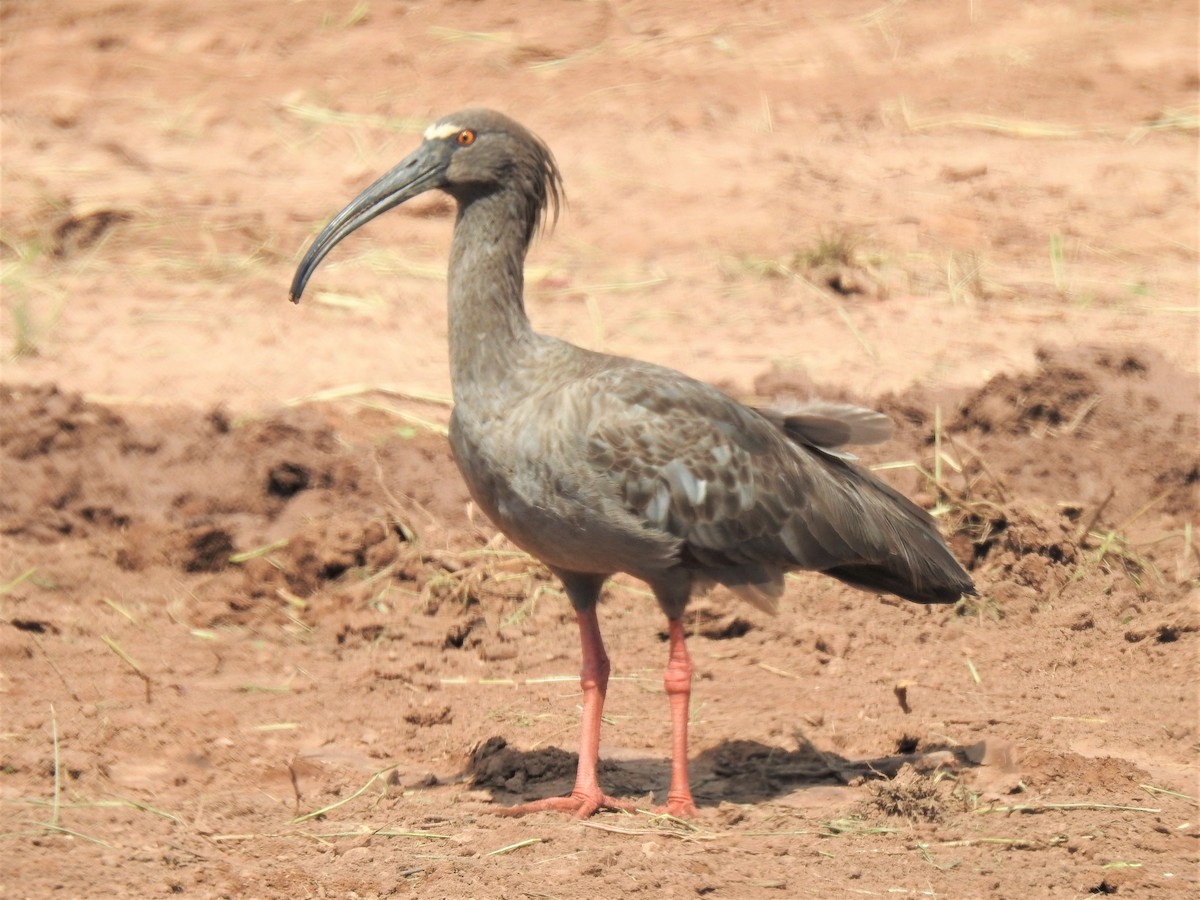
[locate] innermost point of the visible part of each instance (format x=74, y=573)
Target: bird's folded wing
x=690, y=461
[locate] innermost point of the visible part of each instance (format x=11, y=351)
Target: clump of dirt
x=1114, y=433
x=272, y=507
x=494, y=764
x=1090, y=461
x=911, y=795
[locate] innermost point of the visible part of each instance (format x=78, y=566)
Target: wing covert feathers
x=754, y=494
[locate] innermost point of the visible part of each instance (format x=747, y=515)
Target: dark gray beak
x=422, y=170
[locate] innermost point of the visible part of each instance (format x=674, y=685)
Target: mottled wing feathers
x=751, y=496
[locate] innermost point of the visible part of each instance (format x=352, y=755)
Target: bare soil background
x=254, y=642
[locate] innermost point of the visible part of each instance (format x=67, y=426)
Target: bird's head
x=469, y=155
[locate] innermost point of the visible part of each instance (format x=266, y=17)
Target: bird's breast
x=534, y=482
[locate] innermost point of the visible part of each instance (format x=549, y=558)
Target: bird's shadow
x=735, y=771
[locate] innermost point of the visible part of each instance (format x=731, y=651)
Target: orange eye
x=466, y=137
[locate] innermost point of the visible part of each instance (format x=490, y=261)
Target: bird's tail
x=914, y=561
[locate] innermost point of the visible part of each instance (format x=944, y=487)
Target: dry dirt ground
x=254, y=642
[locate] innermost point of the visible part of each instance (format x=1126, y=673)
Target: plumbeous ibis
x=597, y=464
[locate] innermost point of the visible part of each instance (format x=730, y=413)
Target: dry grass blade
x=851, y=827
x=247, y=555
x=129, y=661
x=411, y=418
x=528, y=842
x=57, y=671
x=457, y=35
x=317, y=813
x=7, y=587
x=1012, y=843
x=1168, y=120
x=777, y=671
x=974, y=672
x=348, y=391
x=118, y=608
x=1011, y=127
x=1166, y=792
x=382, y=832
x=692, y=833
x=58, y=829
x=1112, y=547
x=1033, y=808
x=54, y=810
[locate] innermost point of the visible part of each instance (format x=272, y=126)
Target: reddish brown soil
x=254, y=641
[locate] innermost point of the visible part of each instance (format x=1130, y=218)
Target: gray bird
x=597, y=464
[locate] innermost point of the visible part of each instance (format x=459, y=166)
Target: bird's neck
x=489, y=331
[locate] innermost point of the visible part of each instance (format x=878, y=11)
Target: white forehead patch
x=437, y=132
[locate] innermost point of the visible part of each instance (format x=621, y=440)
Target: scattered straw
x=404, y=415
x=117, y=607
x=8, y=587
x=317, y=813
x=54, y=809
x=57, y=671
x=1033, y=808
x=1168, y=120
x=238, y=558
x=1152, y=789
x=850, y=827
x=974, y=672
x=1085, y=529
x=1011, y=127
x=458, y=35
x=782, y=672
x=291, y=599
x=78, y=834
x=383, y=832
x=349, y=391
x=1012, y=843
x=694, y=834
x=528, y=842
x=129, y=661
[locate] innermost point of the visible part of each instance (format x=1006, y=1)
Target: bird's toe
x=579, y=805
x=679, y=808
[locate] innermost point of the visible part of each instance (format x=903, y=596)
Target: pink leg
x=586, y=797
x=677, y=680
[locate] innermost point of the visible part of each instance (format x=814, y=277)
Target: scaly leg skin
x=677, y=680
x=586, y=797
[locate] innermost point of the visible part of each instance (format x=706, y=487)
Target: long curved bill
x=420, y=171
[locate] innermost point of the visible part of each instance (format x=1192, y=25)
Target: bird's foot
x=679, y=804
x=580, y=804
x=679, y=807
